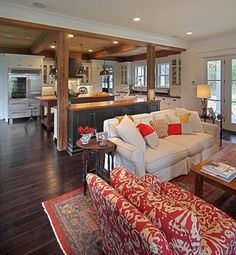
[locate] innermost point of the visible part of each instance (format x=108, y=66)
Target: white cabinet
x=176, y=70
x=48, y=64
x=168, y=102
x=23, y=61
x=125, y=73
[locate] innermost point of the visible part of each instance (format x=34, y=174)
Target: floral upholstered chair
x=191, y=225
x=125, y=230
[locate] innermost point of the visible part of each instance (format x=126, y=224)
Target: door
x=221, y=76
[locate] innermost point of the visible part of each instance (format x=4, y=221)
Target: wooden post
x=62, y=53
x=150, y=72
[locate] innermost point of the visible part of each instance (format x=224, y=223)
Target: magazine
x=220, y=170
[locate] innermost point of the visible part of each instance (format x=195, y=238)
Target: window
x=140, y=76
x=107, y=81
x=163, y=72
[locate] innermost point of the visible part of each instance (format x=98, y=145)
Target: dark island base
x=94, y=114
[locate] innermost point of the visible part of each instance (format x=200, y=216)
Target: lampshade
x=203, y=91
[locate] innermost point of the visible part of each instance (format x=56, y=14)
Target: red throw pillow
x=174, y=129
x=149, y=134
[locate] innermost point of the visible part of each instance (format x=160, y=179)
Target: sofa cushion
x=174, y=129
x=141, y=118
x=124, y=229
x=189, y=142
x=217, y=228
x=128, y=132
x=195, y=121
x=166, y=154
x=149, y=134
x=180, y=225
x=160, y=126
x=157, y=115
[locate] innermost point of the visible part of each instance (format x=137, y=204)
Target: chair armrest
x=130, y=153
x=211, y=129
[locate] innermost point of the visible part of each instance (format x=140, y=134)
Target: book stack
x=220, y=170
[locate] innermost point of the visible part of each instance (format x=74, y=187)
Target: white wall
x=192, y=64
x=1, y=88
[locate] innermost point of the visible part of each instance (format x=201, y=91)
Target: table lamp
x=203, y=92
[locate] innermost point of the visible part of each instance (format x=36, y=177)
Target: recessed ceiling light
x=39, y=5
x=53, y=46
x=136, y=19
x=189, y=33
x=90, y=50
x=115, y=42
x=70, y=35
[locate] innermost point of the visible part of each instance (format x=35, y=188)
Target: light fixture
x=90, y=50
x=115, y=42
x=136, y=19
x=81, y=72
x=104, y=71
x=53, y=46
x=203, y=92
x=189, y=33
x=70, y=35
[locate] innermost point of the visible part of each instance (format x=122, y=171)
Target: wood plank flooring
x=31, y=171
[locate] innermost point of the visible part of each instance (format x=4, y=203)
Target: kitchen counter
x=94, y=105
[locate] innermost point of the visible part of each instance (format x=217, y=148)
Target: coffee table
x=227, y=156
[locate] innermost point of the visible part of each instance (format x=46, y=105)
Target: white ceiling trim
x=17, y=12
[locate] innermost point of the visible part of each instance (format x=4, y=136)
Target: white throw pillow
x=129, y=133
x=195, y=122
x=171, y=119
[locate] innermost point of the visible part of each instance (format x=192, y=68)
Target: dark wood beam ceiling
x=43, y=42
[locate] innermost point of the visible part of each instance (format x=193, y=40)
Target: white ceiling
x=171, y=18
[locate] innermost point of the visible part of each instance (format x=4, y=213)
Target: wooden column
x=150, y=72
x=62, y=54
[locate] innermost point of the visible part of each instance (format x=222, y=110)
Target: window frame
x=144, y=67
x=158, y=76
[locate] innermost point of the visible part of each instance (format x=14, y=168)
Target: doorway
x=221, y=76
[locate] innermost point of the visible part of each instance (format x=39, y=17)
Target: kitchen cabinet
x=94, y=114
x=176, y=70
x=169, y=102
x=20, y=108
x=23, y=61
x=48, y=65
x=124, y=72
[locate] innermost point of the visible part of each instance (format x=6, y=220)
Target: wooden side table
x=100, y=153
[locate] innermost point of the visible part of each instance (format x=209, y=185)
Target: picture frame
x=101, y=136
x=211, y=113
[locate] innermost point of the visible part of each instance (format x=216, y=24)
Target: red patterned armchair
x=125, y=230
x=191, y=225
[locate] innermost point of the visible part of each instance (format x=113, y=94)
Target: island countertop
x=95, y=105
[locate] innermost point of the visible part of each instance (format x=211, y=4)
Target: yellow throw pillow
x=184, y=118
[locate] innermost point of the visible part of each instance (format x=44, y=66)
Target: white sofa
x=174, y=155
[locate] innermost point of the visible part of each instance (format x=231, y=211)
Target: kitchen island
x=93, y=114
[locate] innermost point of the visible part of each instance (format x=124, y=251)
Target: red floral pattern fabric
x=180, y=225
x=125, y=230
x=218, y=229
x=152, y=182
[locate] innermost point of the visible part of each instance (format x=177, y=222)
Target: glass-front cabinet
x=176, y=70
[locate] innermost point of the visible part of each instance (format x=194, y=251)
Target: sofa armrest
x=211, y=129
x=130, y=153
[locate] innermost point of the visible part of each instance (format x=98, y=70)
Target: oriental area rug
x=74, y=222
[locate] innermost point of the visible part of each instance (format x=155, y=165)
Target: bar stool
x=31, y=119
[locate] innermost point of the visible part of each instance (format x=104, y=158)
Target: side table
x=100, y=153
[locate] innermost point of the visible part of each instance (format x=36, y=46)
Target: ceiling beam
x=43, y=42
x=101, y=54
x=14, y=50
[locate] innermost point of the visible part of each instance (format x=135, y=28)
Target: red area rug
x=74, y=223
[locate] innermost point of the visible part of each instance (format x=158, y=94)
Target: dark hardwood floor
x=31, y=171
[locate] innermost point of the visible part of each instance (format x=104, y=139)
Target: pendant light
x=104, y=71
x=81, y=72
